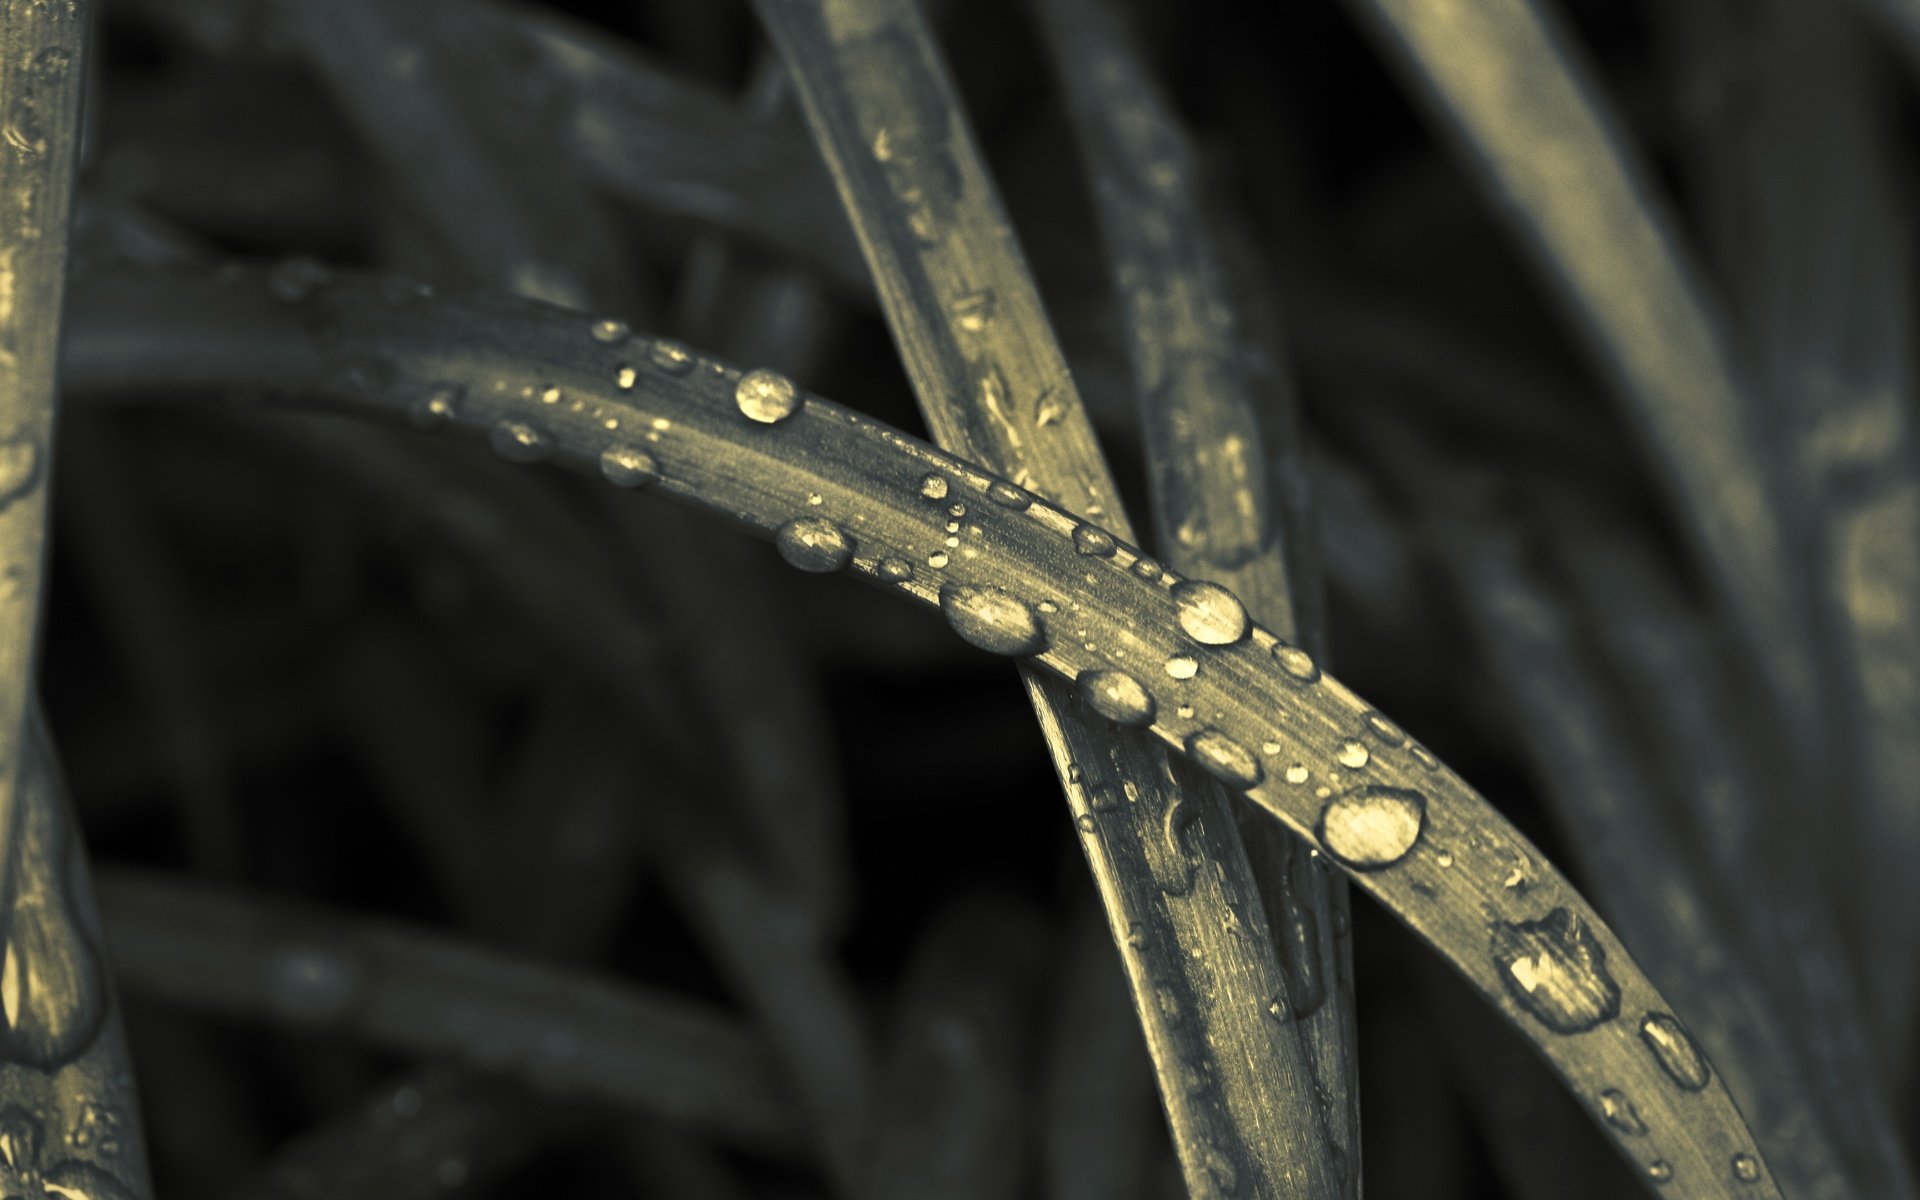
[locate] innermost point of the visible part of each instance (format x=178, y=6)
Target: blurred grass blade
x=1218, y=514
x=1521, y=101
x=1099, y=1084
x=64, y=1073
x=838, y=492
x=994, y=387
x=954, y=1114
x=1811, y=205
x=562, y=1031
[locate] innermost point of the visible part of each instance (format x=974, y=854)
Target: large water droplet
x=517, y=441
x=1117, y=696
x=1209, y=613
x=814, y=544
x=1093, y=541
x=1618, y=1111
x=766, y=396
x=1224, y=759
x=628, y=466
x=1373, y=826
x=934, y=487
x=1673, y=1048
x=1555, y=970
x=992, y=619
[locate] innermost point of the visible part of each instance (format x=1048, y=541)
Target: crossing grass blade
x=994, y=387
x=1407, y=830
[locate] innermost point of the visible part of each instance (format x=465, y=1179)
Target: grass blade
x=1298, y=743
x=1218, y=514
x=994, y=387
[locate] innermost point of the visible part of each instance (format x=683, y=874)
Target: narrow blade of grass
x=1099, y=1084
x=1295, y=741
x=562, y=1031
x=1217, y=513
x=1521, y=101
x=994, y=387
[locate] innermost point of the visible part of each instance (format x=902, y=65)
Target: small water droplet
x=628, y=466
x=1556, y=970
x=1385, y=729
x=608, y=331
x=1270, y=748
x=1209, y=613
x=894, y=570
x=295, y=279
x=766, y=396
x=1093, y=541
x=937, y=559
x=1296, y=662
x=1297, y=773
x=624, y=377
x=994, y=620
x=1008, y=496
x=1674, y=1049
x=934, y=487
x=1147, y=569
x=1181, y=666
x=814, y=544
x=1660, y=1170
x=517, y=441
x=974, y=311
x=551, y=394
x=1117, y=696
x=1746, y=1168
x=1444, y=859
x=1618, y=1111
x=1086, y=823
x=1372, y=827
x=1224, y=759
x=1353, y=755
x=436, y=408
x=670, y=356
x=956, y=510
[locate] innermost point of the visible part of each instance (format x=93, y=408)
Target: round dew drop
x=436, y=407
x=934, y=487
x=1008, y=496
x=628, y=466
x=671, y=357
x=1093, y=541
x=1117, y=696
x=517, y=441
x=1353, y=755
x=1372, y=827
x=1746, y=1168
x=1181, y=666
x=609, y=331
x=1224, y=759
x=894, y=570
x=1296, y=662
x=814, y=544
x=1209, y=613
x=994, y=620
x=766, y=396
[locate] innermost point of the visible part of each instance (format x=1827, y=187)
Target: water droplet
x=1618, y=1111
x=1209, y=613
x=436, y=408
x=1372, y=827
x=551, y=394
x=628, y=466
x=1147, y=569
x=1353, y=755
x=992, y=619
x=1385, y=729
x=517, y=441
x=1117, y=696
x=894, y=570
x=670, y=356
x=1224, y=759
x=1673, y=1048
x=766, y=396
x=1093, y=541
x=1086, y=823
x=1008, y=496
x=974, y=311
x=608, y=331
x=814, y=544
x=295, y=279
x=956, y=510
x=1297, y=773
x=1296, y=662
x=1660, y=1170
x=1746, y=1168
x=624, y=377
x=1181, y=666
x=1423, y=756
x=937, y=559
x=1557, y=971
x=1444, y=859
x=934, y=487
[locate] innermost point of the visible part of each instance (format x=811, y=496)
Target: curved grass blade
x=561, y=1031
x=67, y=1107
x=1033, y=582
x=1218, y=514
x=1506, y=81
x=993, y=386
